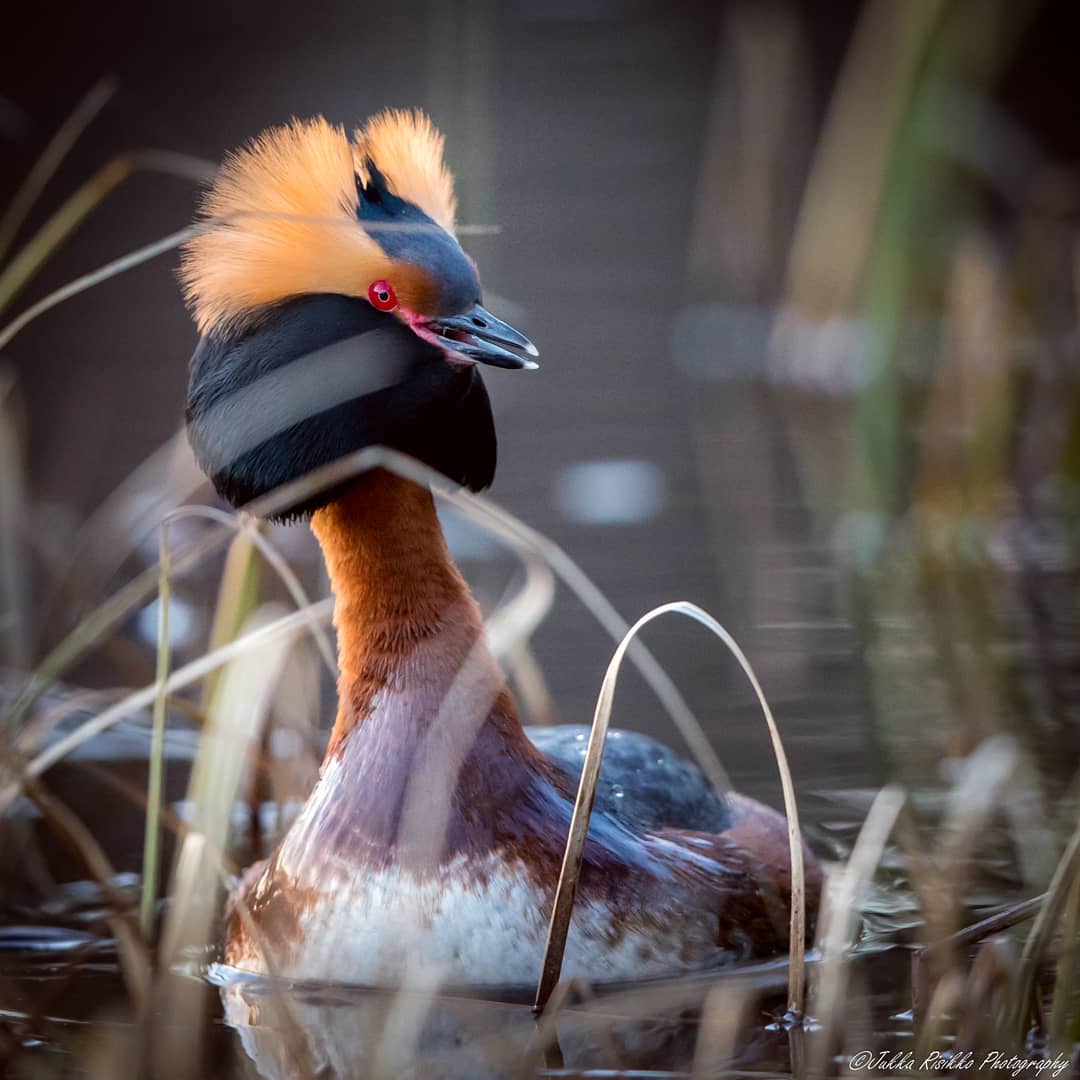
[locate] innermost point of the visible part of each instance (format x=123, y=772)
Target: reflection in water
x=346, y=1032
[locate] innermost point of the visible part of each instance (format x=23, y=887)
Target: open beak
x=478, y=335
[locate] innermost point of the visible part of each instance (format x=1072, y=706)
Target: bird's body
x=436, y=830
x=433, y=839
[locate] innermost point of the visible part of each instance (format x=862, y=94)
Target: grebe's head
x=338, y=311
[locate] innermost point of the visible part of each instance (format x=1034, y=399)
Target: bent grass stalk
x=52, y=157
x=990, y=978
x=562, y=909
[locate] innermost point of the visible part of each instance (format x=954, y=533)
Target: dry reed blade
x=563, y=906
x=237, y=598
x=971, y=801
x=944, y=1000
x=186, y=676
x=513, y=622
x=1046, y=921
x=405, y=1020
x=14, y=575
x=156, y=764
x=847, y=180
x=226, y=749
x=991, y=976
x=116, y=607
x=133, y=509
x=130, y=945
x=530, y=687
x=29, y=260
x=1012, y=916
x=522, y=539
x=545, y=1025
x=722, y=1017
x=142, y=255
x=96, y=277
x=248, y=528
x=58, y=148
x=1065, y=1004
x=844, y=896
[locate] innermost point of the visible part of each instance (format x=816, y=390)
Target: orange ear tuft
x=408, y=150
x=286, y=204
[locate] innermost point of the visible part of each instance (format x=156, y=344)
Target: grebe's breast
x=339, y=903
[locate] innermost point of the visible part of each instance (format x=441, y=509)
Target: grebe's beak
x=479, y=336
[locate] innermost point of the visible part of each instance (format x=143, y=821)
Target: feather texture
x=281, y=218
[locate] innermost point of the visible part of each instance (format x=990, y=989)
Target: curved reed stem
x=562, y=909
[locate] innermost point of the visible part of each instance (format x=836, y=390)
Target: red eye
x=382, y=295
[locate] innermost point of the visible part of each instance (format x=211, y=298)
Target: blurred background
x=804, y=280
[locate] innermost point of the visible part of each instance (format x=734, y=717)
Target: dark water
x=57, y=1005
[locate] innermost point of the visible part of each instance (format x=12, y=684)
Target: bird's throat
x=406, y=622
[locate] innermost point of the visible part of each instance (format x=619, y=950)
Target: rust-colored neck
x=396, y=588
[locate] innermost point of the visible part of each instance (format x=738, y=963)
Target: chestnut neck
x=398, y=594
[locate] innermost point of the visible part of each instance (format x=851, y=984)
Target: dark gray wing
x=643, y=783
